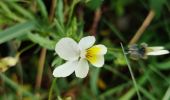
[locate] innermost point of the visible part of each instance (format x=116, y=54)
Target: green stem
x=141, y=81
x=25, y=49
x=51, y=89
x=131, y=73
x=71, y=10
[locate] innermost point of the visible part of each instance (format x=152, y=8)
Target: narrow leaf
x=42, y=41
x=16, y=31
x=42, y=8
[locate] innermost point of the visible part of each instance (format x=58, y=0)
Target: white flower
x=78, y=55
x=143, y=51
x=154, y=51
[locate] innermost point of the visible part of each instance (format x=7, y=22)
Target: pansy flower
x=78, y=56
x=143, y=51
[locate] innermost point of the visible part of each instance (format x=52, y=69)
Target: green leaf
x=59, y=11
x=94, y=4
x=42, y=41
x=21, y=10
x=147, y=94
x=57, y=61
x=157, y=5
x=73, y=29
x=42, y=8
x=16, y=31
x=94, y=80
x=163, y=65
x=10, y=14
x=60, y=29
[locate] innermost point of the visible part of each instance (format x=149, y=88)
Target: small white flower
x=78, y=55
x=143, y=51
x=154, y=51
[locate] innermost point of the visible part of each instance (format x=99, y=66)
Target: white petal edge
x=66, y=69
x=82, y=69
x=86, y=42
x=156, y=48
x=159, y=52
x=67, y=49
x=99, y=61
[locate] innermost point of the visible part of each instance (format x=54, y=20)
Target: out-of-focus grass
x=30, y=25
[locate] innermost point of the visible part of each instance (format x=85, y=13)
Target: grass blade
x=16, y=86
x=42, y=8
x=16, y=31
x=131, y=73
x=167, y=94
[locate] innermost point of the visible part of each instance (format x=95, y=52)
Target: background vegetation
x=29, y=30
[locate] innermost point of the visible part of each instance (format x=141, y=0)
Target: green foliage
x=42, y=8
x=59, y=12
x=94, y=4
x=44, y=23
x=42, y=41
x=157, y=6
x=16, y=31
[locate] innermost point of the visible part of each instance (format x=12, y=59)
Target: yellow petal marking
x=91, y=54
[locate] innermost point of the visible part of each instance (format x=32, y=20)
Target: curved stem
x=25, y=49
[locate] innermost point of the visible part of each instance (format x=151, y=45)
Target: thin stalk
x=40, y=68
x=25, y=49
x=51, y=89
x=96, y=20
x=141, y=81
x=52, y=11
x=71, y=10
x=143, y=27
x=43, y=51
x=131, y=73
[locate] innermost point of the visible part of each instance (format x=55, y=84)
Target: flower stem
x=25, y=49
x=40, y=68
x=96, y=20
x=74, y=2
x=51, y=89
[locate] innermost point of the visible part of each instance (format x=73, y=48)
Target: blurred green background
x=29, y=30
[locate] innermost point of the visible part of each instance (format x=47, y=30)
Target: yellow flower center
x=91, y=54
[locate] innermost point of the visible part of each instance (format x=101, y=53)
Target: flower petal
x=86, y=42
x=96, y=60
x=155, y=48
x=82, y=69
x=159, y=52
x=97, y=50
x=66, y=69
x=67, y=49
